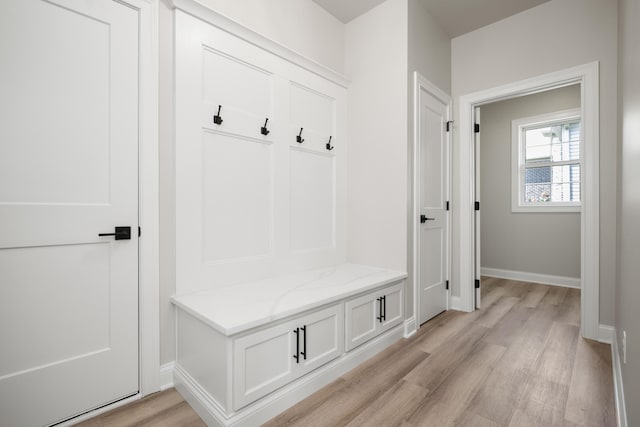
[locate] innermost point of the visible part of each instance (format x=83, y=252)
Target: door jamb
x=419, y=83
x=588, y=77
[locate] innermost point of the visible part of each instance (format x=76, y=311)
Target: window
x=546, y=153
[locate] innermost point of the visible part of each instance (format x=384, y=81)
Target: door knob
x=423, y=219
x=121, y=233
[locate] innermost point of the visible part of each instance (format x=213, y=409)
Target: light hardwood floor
x=519, y=361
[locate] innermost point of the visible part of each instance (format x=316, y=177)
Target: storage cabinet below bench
x=238, y=347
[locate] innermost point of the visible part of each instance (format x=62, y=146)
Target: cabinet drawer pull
x=304, y=342
x=379, y=317
x=297, y=355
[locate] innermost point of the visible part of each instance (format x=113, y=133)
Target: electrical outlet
x=624, y=347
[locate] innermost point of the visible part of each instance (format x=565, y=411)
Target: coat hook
x=217, y=119
x=329, y=146
x=263, y=129
x=299, y=137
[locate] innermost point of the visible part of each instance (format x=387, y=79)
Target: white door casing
x=68, y=171
x=478, y=262
x=432, y=195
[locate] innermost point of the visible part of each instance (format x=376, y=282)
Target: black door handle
x=304, y=342
x=384, y=308
x=122, y=233
x=379, y=317
x=423, y=219
x=297, y=355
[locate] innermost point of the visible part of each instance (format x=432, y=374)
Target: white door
x=68, y=171
x=433, y=190
x=477, y=264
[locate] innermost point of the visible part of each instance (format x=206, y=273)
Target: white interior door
x=68, y=171
x=433, y=190
x=477, y=262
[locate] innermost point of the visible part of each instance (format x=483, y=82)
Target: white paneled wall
x=250, y=205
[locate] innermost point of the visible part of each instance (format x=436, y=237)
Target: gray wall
x=542, y=243
x=628, y=280
x=520, y=47
x=430, y=55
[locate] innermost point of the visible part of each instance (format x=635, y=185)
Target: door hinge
x=477, y=206
x=447, y=205
x=446, y=285
x=477, y=284
x=448, y=126
x=476, y=127
x=139, y=231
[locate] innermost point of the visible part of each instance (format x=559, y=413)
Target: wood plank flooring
x=519, y=361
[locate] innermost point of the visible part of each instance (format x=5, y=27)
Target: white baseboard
x=166, y=375
x=455, y=303
x=523, y=276
x=271, y=405
x=410, y=327
x=606, y=333
x=618, y=389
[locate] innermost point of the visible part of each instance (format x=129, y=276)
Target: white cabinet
x=272, y=357
x=371, y=314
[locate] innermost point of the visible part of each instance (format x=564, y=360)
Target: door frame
x=419, y=83
x=148, y=210
x=587, y=76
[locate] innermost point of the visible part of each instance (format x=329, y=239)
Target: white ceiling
x=456, y=17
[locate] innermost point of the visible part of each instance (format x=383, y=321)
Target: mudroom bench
x=247, y=352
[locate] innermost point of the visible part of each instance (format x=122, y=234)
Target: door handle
x=423, y=219
x=297, y=355
x=304, y=342
x=380, y=315
x=121, y=233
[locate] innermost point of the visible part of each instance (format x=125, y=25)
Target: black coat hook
x=299, y=137
x=217, y=119
x=263, y=129
x=329, y=146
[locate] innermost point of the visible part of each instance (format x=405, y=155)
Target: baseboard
x=166, y=375
x=606, y=333
x=523, y=276
x=618, y=389
x=271, y=405
x=454, y=303
x=410, y=327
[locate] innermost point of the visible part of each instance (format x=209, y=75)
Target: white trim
x=618, y=387
x=517, y=162
x=606, y=334
x=455, y=303
x=103, y=409
x=523, y=276
x=419, y=82
x=410, y=326
x=166, y=375
x=587, y=76
x=271, y=405
x=149, y=264
x=200, y=11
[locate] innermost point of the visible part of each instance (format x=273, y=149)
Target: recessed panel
x=237, y=197
x=235, y=84
x=312, y=198
x=312, y=110
x=363, y=320
x=431, y=253
x=267, y=362
x=54, y=107
x=321, y=337
x=55, y=304
x=432, y=159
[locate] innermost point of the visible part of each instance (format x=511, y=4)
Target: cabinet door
x=361, y=323
x=263, y=362
x=321, y=339
x=393, y=306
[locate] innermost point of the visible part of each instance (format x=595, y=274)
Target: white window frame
x=517, y=162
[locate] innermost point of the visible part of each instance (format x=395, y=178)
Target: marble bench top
x=234, y=309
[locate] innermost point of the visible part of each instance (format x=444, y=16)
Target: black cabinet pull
x=297, y=355
x=304, y=342
x=379, y=317
x=423, y=219
x=384, y=307
x=121, y=233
